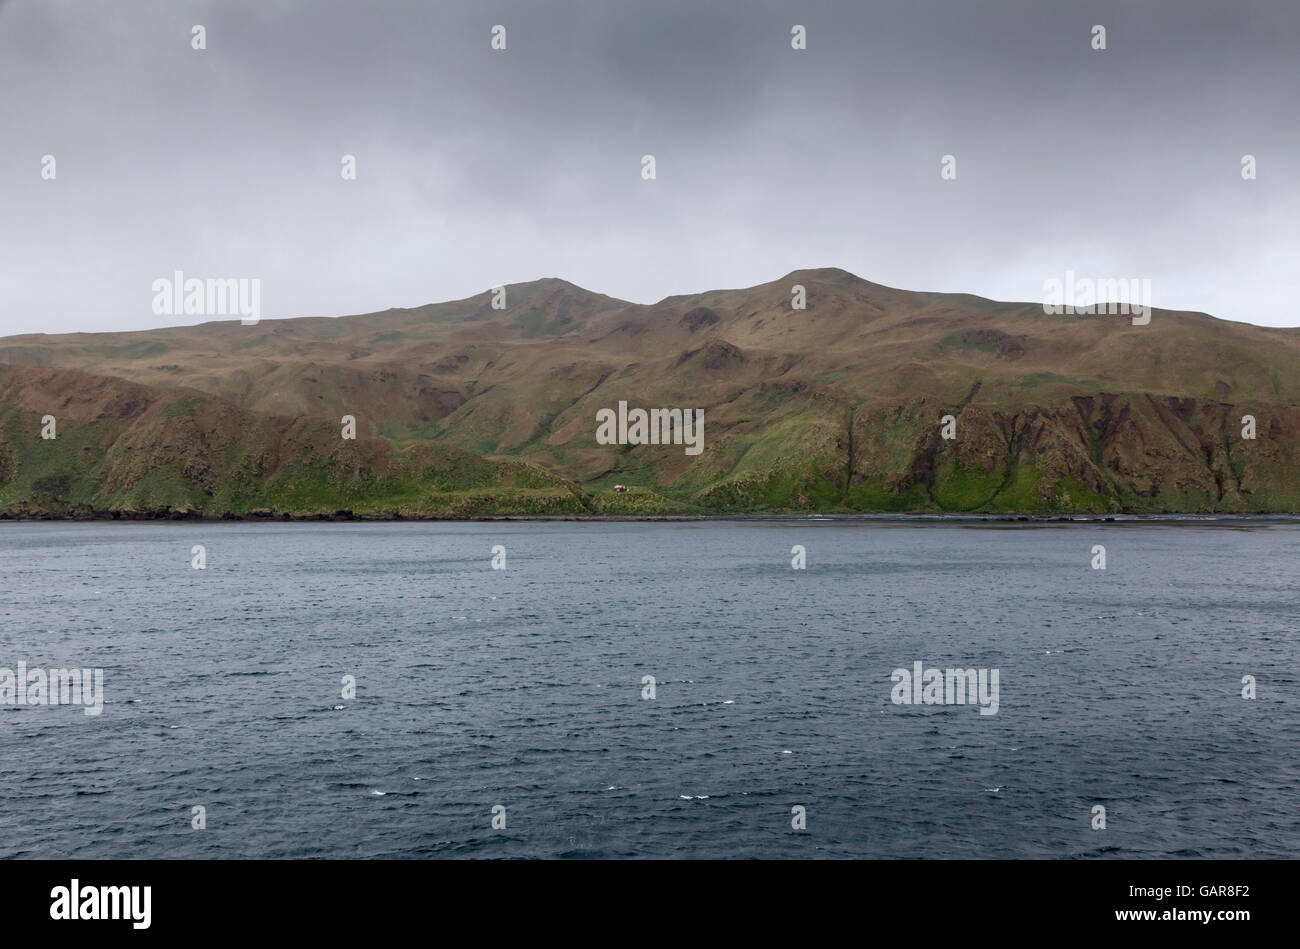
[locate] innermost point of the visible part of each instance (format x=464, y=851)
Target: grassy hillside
x=127, y=449
x=463, y=409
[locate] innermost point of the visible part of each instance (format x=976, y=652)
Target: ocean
x=357, y=690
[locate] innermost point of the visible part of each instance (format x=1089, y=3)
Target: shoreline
x=133, y=517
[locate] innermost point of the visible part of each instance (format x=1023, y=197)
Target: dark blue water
x=523, y=688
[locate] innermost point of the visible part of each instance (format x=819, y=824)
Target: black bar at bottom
x=942, y=898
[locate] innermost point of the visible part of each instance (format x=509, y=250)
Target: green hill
x=465, y=410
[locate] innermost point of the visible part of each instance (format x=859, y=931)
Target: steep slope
x=120, y=448
x=832, y=407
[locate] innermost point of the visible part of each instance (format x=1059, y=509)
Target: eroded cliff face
x=1108, y=453
x=128, y=448
x=1105, y=453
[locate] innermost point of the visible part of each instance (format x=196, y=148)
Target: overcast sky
x=478, y=167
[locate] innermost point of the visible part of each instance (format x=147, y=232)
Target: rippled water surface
x=523, y=688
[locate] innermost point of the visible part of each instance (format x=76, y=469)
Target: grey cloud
x=477, y=168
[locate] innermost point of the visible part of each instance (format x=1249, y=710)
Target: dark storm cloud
x=478, y=167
